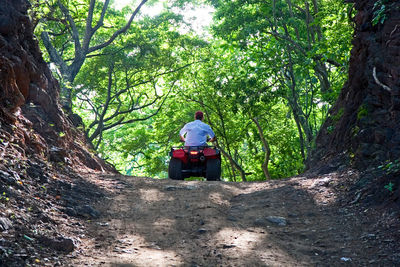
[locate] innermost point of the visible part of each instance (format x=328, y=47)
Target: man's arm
x=182, y=138
x=211, y=134
x=212, y=139
x=182, y=132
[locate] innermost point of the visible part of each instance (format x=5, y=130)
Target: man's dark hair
x=199, y=115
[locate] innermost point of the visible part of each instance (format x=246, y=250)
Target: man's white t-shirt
x=196, y=133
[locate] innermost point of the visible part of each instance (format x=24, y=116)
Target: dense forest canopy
x=265, y=75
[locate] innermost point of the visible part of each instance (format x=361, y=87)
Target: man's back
x=196, y=133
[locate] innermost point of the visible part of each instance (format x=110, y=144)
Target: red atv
x=198, y=161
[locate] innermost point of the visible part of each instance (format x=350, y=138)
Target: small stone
x=7, y=178
x=228, y=246
x=36, y=172
x=88, y=211
x=202, y=231
x=5, y=224
x=60, y=244
x=57, y=154
x=171, y=188
x=232, y=218
x=190, y=187
x=370, y=236
x=277, y=220
x=261, y=222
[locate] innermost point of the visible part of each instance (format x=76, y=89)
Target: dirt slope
x=294, y=222
x=362, y=129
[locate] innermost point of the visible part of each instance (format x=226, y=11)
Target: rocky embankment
x=363, y=128
x=40, y=151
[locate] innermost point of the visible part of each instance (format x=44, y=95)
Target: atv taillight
x=194, y=152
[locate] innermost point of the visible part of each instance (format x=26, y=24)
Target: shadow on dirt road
x=293, y=222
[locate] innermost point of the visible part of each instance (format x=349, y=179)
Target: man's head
x=199, y=115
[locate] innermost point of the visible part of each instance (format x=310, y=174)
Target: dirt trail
x=293, y=222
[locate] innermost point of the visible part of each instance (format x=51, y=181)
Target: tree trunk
x=233, y=163
x=368, y=129
x=266, y=148
x=300, y=117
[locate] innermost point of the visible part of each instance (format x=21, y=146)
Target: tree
x=289, y=38
x=132, y=80
x=73, y=30
x=220, y=86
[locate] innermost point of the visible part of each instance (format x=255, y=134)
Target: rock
x=322, y=182
x=57, y=154
x=369, y=236
x=70, y=212
x=5, y=224
x=232, y=218
x=36, y=172
x=45, y=219
x=87, y=211
x=173, y=187
x=345, y=259
x=60, y=244
x=70, y=201
x=281, y=221
x=170, y=188
x=7, y=178
x=191, y=187
x=38, y=95
x=225, y=246
x=202, y=231
x=277, y=220
x=64, y=185
x=3, y=173
x=261, y=222
x=75, y=119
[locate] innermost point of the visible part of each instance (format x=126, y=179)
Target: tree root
x=387, y=88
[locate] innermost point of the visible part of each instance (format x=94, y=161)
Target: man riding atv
x=196, y=158
x=197, y=132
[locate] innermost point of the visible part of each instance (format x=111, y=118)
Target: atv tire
x=175, y=169
x=213, y=170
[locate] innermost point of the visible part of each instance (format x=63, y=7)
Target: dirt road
x=293, y=222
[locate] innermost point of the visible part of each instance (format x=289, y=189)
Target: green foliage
x=330, y=129
x=362, y=112
x=355, y=130
x=389, y=187
x=4, y=198
x=391, y=166
x=380, y=12
x=282, y=63
x=300, y=50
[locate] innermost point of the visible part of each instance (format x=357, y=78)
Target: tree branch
x=54, y=56
x=75, y=32
x=120, y=31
